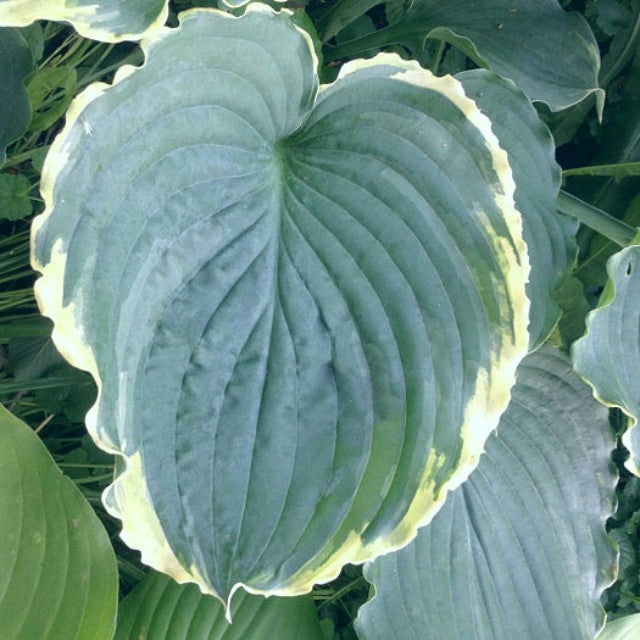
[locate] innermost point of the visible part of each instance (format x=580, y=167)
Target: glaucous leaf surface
x=58, y=574
x=161, y=609
x=625, y=628
x=15, y=64
x=520, y=550
x=303, y=309
x=107, y=20
x=550, y=54
x=550, y=236
x=608, y=356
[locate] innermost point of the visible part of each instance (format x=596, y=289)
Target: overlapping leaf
x=303, y=310
x=550, y=54
x=520, y=550
x=160, y=609
x=58, y=574
x=625, y=628
x=608, y=356
x=107, y=20
x=550, y=236
x=15, y=64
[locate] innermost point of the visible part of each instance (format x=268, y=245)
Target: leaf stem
x=596, y=219
x=437, y=59
x=617, y=170
x=21, y=157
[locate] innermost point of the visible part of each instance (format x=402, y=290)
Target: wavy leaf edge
x=483, y=409
x=607, y=298
x=77, y=16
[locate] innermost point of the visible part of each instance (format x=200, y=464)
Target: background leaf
x=272, y=284
x=160, y=609
x=550, y=54
x=626, y=628
x=58, y=574
x=107, y=20
x=608, y=356
x=520, y=550
x=592, y=270
x=16, y=64
x=51, y=90
x=15, y=202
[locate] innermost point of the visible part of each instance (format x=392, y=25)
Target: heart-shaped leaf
x=107, y=20
x=303, y=310
x=160, y=609
x=520, y=550
x=608, y=356
x=550, y=54
x=58, y=573
x=15, y=64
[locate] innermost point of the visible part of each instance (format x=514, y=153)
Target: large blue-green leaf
x=520, y=550
x=303, y=309
x=161, y=609
x=108, y=20
x=608, y=356
x=15, y=64
x=549, y=235
x=58, y=573
x=550, y=54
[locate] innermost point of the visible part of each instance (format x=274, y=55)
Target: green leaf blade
x=520, y=550
x=232, y=268
x=59, y=575
x=15, y=109
x=14, y=197
x=160, y=609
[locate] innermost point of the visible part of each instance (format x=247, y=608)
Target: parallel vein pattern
x=304, y=325
x=520, y=550
x=160, y=609
x=58, y=574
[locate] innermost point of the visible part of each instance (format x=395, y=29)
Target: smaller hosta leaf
x=161, y=609
x=16, y=62
x=608, y=356
x=107, y=20
x=625, y=628
x=519, y=550
x=14, y=196
x=58, y=573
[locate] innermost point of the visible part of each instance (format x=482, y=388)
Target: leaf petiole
x=596, y=219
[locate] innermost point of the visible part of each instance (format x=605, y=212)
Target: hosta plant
x=305, y=306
